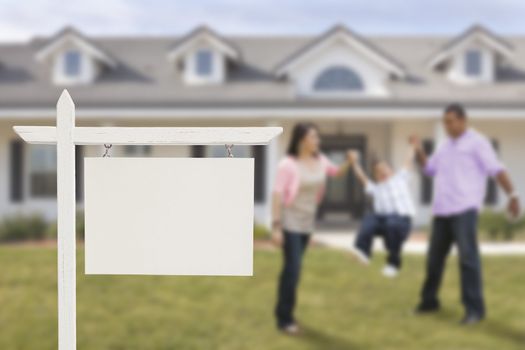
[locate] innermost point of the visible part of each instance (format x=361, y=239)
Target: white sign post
x=66, y=135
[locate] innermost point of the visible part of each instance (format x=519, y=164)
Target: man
x=460, y=167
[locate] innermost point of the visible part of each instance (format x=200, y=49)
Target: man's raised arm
x=421, y=156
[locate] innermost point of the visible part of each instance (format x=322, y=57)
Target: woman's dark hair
x=299, y=132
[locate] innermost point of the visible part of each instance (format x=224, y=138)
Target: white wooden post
x=66, y=223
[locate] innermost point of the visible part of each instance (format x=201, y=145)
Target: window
x=16, y=165
x=72, y=61
x=204, y=63
x=43, y=171
x=137, y=150
x=473, y=63
x=338, y=78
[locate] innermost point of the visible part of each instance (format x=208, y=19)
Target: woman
x=298, y=190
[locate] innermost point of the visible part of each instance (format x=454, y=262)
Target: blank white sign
x=169, y=216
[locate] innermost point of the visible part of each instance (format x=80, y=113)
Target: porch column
x=272, y=160
x=439, y=132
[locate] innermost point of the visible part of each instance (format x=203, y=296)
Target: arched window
x=338, y=78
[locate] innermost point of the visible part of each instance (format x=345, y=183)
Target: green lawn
x=342, y=306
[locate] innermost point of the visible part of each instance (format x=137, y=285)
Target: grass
x=342, y=306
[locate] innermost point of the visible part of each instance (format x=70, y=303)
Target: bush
x=260, y=232
x=52, y=230
x=22, y=227
x=498, y=226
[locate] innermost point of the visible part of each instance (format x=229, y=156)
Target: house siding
x=386, y=139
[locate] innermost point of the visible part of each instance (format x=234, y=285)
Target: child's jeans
x=393, y=228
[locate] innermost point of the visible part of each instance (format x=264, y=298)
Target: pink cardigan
x=287, y=181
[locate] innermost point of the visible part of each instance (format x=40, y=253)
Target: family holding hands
x=460, y=167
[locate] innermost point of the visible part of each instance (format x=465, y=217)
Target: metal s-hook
x=106, y=152
x=229, y=149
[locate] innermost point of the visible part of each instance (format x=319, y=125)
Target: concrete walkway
x=345, y=240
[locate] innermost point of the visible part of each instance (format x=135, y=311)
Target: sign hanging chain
x=229, y=150
x=106, y=152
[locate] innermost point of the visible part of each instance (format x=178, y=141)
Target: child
x=392, y=214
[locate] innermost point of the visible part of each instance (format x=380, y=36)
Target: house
x=366, y=93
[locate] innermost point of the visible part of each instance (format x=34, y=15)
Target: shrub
x=498, y=226
x=260, y=232
x=52, y=230
x=23, y=227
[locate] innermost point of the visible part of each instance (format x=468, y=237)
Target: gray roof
x=145, y=79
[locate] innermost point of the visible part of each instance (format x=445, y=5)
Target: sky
x=21, y=20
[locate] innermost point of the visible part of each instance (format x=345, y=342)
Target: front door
x=344, y=195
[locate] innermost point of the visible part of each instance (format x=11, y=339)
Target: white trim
x=375, y=113
x=352, y=42
x=82, y=44
x=152, y=136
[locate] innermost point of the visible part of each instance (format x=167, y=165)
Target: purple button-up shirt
x=460, y=168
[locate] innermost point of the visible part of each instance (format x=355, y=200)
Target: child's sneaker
x=361, y=256
x=390, y=271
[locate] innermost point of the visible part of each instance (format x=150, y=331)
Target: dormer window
x=204, y=63
x=72, y=63
x=338, y=79
x=74, y=59
x=472, y=58
x=206, y=57
x=473, y=63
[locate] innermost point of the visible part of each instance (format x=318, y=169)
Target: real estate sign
x=169, y=216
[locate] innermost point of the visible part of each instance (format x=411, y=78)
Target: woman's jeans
x=393, y=228
x=294, y=246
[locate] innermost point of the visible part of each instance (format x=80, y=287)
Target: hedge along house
x=367, y=93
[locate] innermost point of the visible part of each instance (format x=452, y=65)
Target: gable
x=203, y=37
x=70, y=38
x=477, y=37
x=338, y=69
x=342, y=36
x=473, y=57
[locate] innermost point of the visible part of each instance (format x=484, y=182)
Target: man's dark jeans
x=393, y=228
x=294, y=246
x=461, y=229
